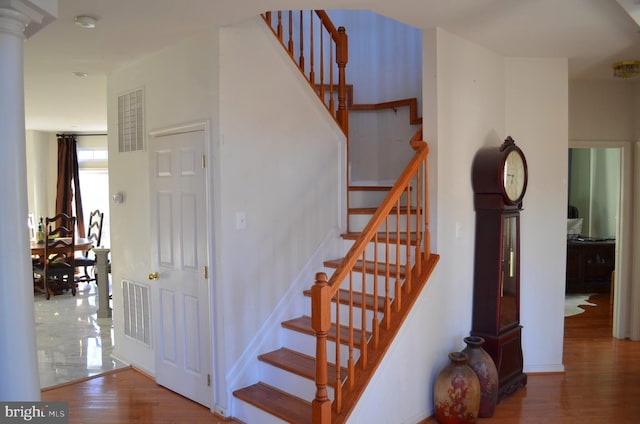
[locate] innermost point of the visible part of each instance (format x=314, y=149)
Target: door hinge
x=205, y=271
x=209, y=380
x=204, y=161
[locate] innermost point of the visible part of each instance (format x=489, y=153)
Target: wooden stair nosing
x=283, y=405
x=370, y=187
x=343, y=297
x=371, y=210
x=382, y=187
x=382, y=237
x=370, y=267
x=300, y=364
x=303, y=325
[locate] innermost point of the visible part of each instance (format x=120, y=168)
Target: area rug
x=572, y=303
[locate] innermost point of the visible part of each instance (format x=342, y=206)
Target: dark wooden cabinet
x=589, y=266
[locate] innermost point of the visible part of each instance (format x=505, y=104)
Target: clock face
x=514, y=177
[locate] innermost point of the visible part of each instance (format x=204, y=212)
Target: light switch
x=241, y=220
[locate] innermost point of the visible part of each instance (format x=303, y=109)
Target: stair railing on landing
x=408, y=280
x=322, y=52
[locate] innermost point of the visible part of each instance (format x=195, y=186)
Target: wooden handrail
x=412, y=103
x=407, y=283
x=295, y=30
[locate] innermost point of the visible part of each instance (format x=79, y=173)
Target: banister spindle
x=322, y=65
x=332, y=105
x=321, y=323
x=342, y=57
x=312, y=73
x=427, y=233
x=290, y=46
x=375, y=324
x=363, y=309
x=279, y=30
x=351, y=361
x=398, y=300
x=407, y=266
x=418, y=247
x=301, y=57
x=387, y=277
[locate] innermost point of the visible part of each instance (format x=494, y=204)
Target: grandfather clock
x=499, y=178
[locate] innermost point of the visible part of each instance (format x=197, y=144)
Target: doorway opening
x=598, y=224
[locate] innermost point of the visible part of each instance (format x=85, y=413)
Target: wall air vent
x=130, y=121
x=137, y=311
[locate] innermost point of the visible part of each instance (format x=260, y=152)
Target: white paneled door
x=179, y=263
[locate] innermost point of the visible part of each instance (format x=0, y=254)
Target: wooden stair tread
x=300, y=364
x=370, y=188
x=382, y=237
x=303, y=325
x=283, y=405
x=370, y=267
x=372, y=210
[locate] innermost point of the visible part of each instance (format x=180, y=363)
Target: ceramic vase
x=484, y=367
x=456, y=393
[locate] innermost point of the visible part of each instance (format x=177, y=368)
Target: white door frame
x=626, y=288
x=205, y=127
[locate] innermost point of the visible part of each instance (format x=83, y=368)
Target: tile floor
x=72, y=342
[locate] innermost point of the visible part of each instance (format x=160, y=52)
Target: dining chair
x=88, y=260
x=56, y=267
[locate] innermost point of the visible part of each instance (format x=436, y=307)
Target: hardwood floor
x=600, y=385
x=127, y=396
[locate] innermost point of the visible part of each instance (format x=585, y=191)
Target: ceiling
x=592, y=34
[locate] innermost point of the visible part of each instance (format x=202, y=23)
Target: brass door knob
x=153, y=276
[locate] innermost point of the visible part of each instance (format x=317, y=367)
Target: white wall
x=469, y=83
x=281, y=163
x=537, y=118
x=479, y=103
x=180, y=85
x=384, y=65
x=602, y=111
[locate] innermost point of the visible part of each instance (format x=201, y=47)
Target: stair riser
x=248, y=413
x=344, y=314
x=289, y=382
x=370, y=279
x=306, y=344
x=357, y=222
x=369, y=199
x=370, y=252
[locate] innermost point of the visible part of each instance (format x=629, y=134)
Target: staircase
x=329, y=354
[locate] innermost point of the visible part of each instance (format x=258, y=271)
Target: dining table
x=82, y=244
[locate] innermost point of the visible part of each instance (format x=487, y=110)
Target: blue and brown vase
x=484, y=367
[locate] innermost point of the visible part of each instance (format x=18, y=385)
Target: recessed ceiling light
x=85, y=21
x=80, y=74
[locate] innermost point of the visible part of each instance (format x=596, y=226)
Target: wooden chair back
x=59, y=247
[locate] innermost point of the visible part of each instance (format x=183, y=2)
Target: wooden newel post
x=321, y=323
x=342, y=57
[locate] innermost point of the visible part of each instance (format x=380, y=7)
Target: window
x=94, y=186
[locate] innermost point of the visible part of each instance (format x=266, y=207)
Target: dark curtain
x=68, y=187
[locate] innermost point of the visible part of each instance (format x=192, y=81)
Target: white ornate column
x=19, y=380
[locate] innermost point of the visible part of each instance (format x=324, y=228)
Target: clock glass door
x=509, y=286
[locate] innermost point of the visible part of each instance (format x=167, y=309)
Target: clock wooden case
x=499, y=178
